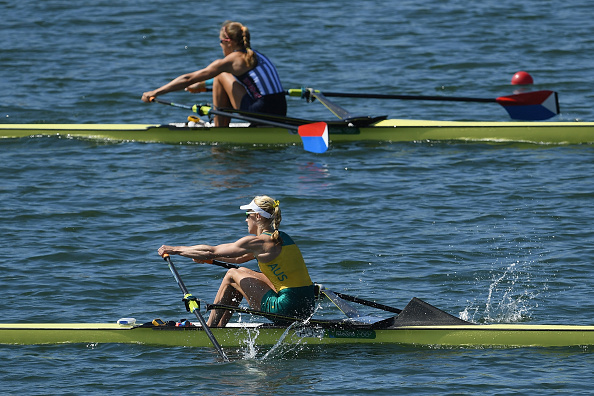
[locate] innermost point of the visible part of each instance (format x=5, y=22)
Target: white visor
x=256, y=209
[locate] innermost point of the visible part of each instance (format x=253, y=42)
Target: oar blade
x=314, y=137
x=531, y=106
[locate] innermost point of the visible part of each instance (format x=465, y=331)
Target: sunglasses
x=247, y=214
x=224, y=40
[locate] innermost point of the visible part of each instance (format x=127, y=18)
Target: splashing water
x=511, y=307
x=509, y=300
x=279, y=343
x=251, y=351
x=279, y=349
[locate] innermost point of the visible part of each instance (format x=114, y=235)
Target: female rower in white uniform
x=283, y=286
x=244, y=79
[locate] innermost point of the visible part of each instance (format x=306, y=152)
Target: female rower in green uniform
x=283, y=286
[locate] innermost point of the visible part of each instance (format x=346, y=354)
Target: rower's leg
x=227, y=295
x=226, y=92
x=238, y=283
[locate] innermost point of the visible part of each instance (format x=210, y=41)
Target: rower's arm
x=237, y=260
x=239, y=251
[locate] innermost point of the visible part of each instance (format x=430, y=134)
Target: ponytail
x=250, y=58
x=276, y=219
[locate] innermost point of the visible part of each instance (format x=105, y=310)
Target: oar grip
x=295, y=92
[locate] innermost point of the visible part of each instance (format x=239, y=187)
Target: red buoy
x=522, y=78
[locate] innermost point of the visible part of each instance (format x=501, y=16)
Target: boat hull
x=237, y=335
x=387, y=130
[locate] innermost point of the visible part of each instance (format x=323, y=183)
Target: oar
x=526, y=106
x=529, y=106
x=368, y=303
x=346, y=297
x=194, y=307
x=314, y=135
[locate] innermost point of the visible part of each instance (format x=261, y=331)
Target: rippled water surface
x=493, y=233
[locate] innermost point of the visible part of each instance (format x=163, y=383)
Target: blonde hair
x=240, y=35
x=271, y=206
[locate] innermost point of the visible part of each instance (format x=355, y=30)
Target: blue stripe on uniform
x=264, y=77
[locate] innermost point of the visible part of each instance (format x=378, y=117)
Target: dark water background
x=492, y=233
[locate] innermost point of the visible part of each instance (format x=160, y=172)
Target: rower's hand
x=148, y=96
x=164, y=249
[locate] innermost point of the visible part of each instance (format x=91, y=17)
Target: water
x=494, y=233
x=91, y=62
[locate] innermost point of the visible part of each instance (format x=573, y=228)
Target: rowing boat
x=391, y=130
x=418, y=324
x=266, y=129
